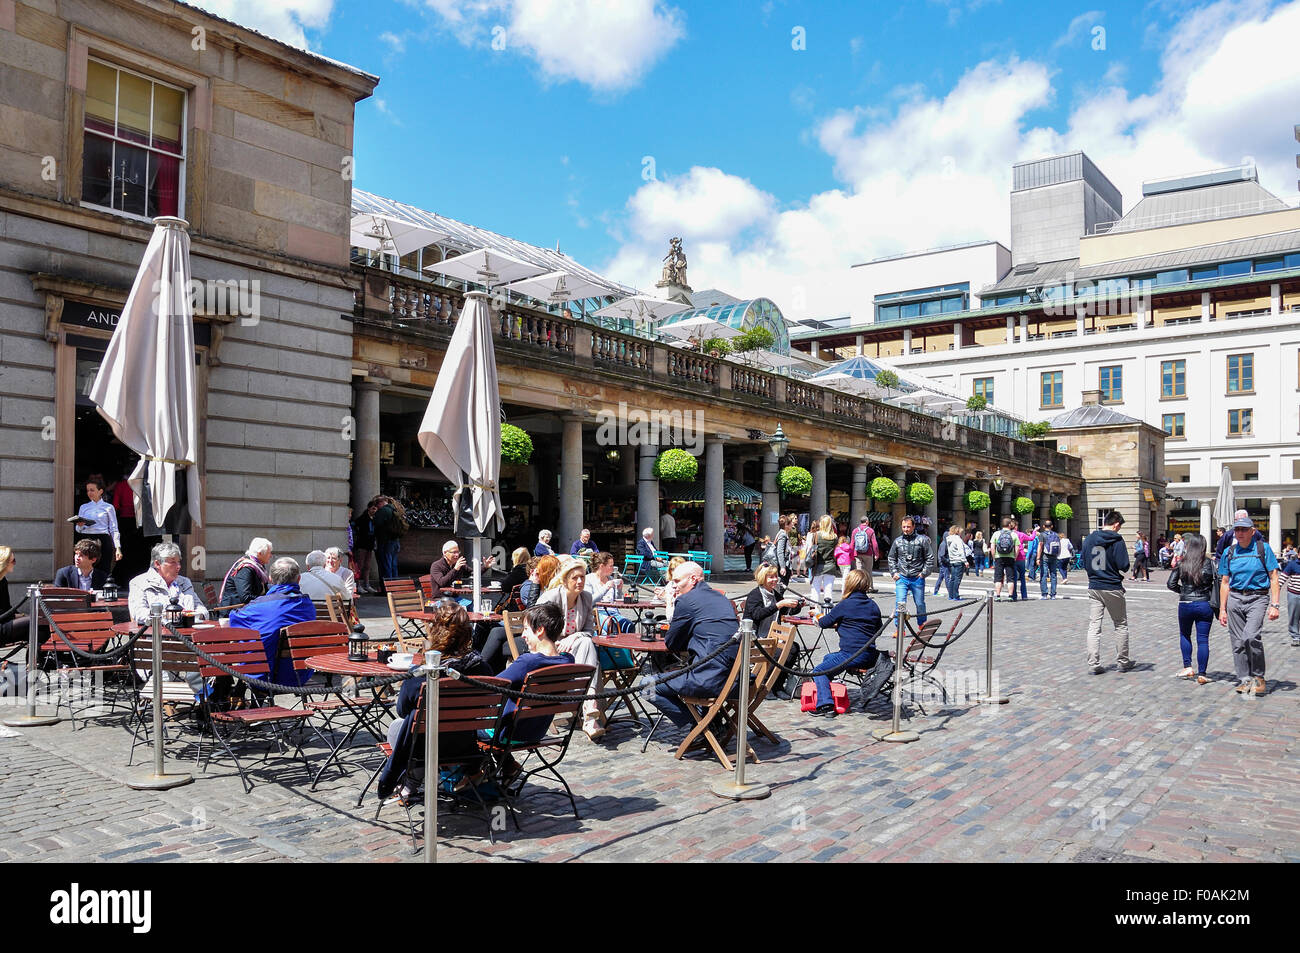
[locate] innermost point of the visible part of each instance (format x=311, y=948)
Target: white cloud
x=286, y=20
x=934, y=170
x=607, y=46
x=397, y=43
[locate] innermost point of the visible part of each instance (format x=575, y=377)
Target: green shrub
x=1063, y=511
x=676, y=466
x=884, y=489
x=1023, y=505
x=977, y=500
x=920, y=494
x=794, y=481
x=516, y=445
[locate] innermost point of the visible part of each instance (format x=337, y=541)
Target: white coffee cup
x=401, y=660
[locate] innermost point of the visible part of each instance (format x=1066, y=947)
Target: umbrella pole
x=478, y=574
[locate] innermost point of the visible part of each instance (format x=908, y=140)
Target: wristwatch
x=1274, y=605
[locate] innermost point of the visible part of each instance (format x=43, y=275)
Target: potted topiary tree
x=920, y=494
x=1063, y=511
x=884, y=489
x=1023, y=505
x=977, y=500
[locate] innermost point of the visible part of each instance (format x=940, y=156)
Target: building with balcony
x=1184, y=313
x=121, y=110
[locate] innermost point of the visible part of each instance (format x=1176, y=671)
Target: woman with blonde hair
x=568, y=593
x=666, y=592
x=13, y=628
x=821, y=560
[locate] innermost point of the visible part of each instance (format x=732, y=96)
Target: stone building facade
x=112, y=113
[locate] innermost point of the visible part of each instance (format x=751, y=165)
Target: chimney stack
x=1091, y=398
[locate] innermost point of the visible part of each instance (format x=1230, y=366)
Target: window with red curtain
x=134, y=142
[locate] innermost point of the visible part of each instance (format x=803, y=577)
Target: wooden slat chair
x=879, y=679
x=426, y=586
x=401, y=584
x=89, y=632
x=572, y=681
x=512, y=602
x=210, y=598
x=461, y=708
x=61, y=599
x=409, y=632
x=242, y=649
x=301, y=641
x=513, y=623
x=176, y=661
x=718, y=713
x=767, y=676
x=932, y=644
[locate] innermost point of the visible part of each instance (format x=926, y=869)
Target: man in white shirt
x=161, y=583
x=668, y=532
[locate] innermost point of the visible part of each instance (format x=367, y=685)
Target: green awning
x=732, y=493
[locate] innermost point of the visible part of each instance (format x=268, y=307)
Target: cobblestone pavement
x=1135, y=765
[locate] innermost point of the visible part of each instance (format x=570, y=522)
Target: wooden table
x=338, y=663
x=625, y=678
x=819, y=640
x=638, y=607
x=428, y=617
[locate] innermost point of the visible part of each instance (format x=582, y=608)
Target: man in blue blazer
x=82, y=574
x=703, y=621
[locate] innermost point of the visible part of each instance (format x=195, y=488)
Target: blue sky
x=609, y=127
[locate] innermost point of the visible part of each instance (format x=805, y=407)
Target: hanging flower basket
x=516, y=445
x=920, y=494
x=1063, y=511
x=676, y=466
x=884, y=489
x=977, y=500
x=1023, y=505
x=794, y=481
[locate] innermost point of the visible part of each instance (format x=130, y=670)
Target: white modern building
x=1184, y=313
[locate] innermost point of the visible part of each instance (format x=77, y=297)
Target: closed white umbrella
x=145, y=388
x=461, y=431
x=1225, y=504
x=698, y=326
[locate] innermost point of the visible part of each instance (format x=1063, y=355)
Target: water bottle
x=618, y=587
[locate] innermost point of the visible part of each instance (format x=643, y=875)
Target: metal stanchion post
x=432, y=664
x=31, y=719
x=989, y=698
x=159, y=780
x=736, y=789
x=896, y=733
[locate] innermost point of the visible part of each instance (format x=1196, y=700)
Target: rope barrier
x=597, y=696
x=813, y=673
x=952, y=608
x=273, y=688
x=112, y=655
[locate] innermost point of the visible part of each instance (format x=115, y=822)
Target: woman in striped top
x=100, y=525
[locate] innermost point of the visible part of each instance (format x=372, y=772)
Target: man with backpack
x=1004, y=545
x=865, y=552
x=1248, y=582
x=1049, y=554
x=1105, y=560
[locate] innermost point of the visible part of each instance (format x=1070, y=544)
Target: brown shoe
x=1243, y=687
x=1260, y=687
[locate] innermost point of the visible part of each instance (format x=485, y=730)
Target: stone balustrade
x=412, y=304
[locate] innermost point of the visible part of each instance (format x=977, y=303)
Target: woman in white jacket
x=568, y=593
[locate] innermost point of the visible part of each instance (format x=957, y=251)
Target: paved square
x=1076, y=767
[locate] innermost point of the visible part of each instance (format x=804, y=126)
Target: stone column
x=907, y=340
x=817, y=500
x=1024, y=329
x=771, y=496
x=714, y=503
x=932, y=508
x=1044, y=505
x=858, y=495
x=1008, y=494
x=627, y=465
x=570, y=483
x=1274, y=300
x=365, y=462
x=858, y=345
x=959, y=502
x=956, y=335
x=1275, y=525
x=1207, y=523
x=1206, y=310
x=647, y=494
x=738, y=470
x=1011, y=329
x=900, y=504
x=982, y=517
